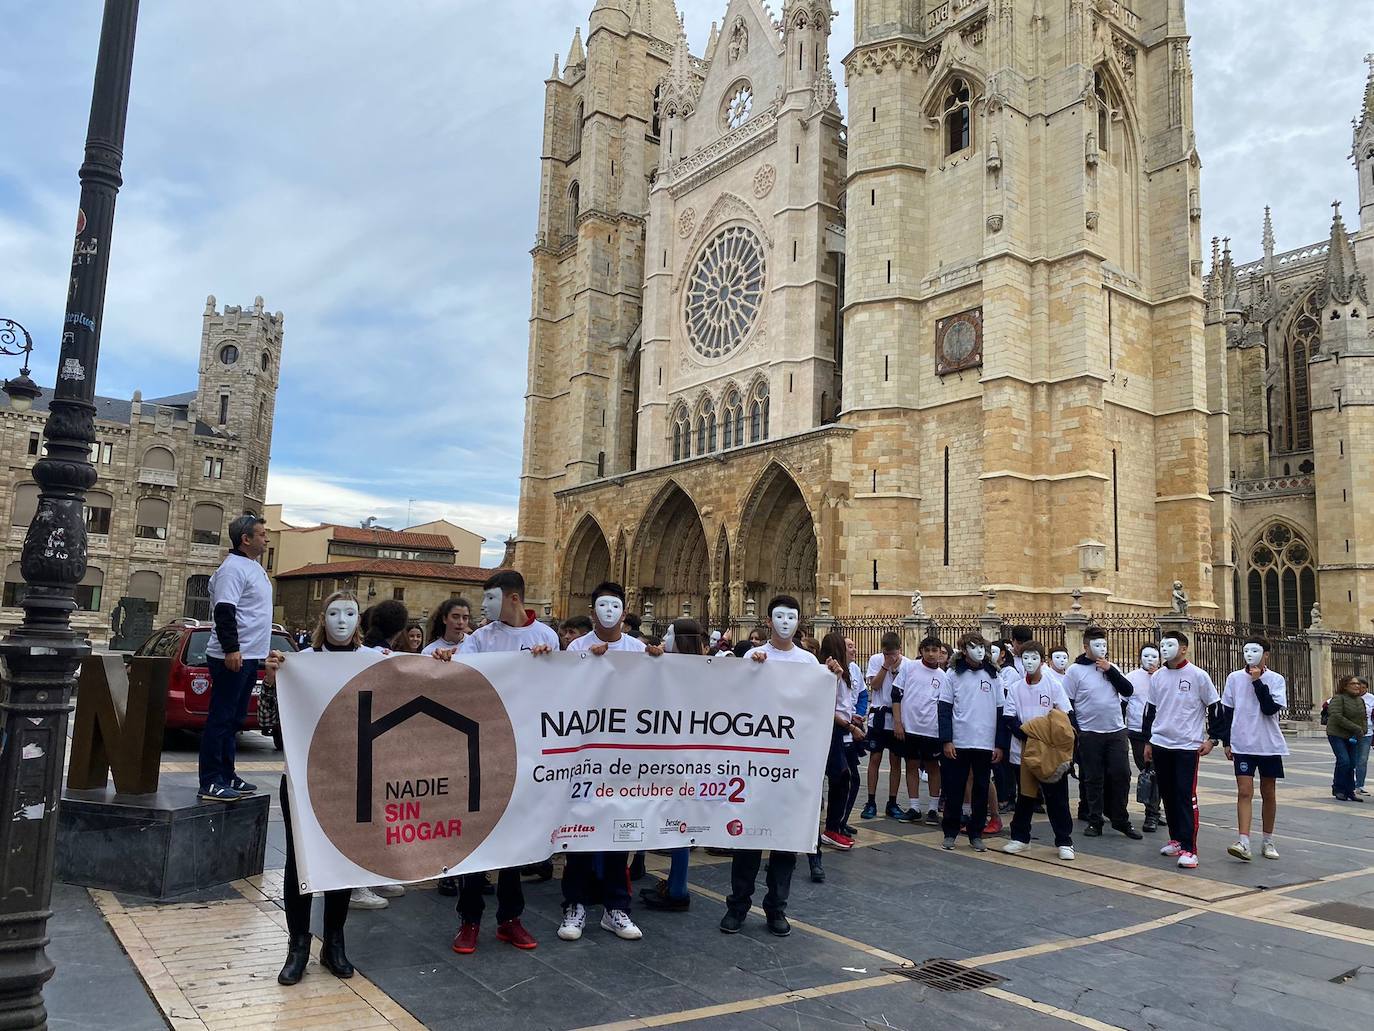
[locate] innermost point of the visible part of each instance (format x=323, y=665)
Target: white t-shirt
x=502, y=637
x=794, y=654
x=439, y=644
x=1252, y=732
x=920, y=689
x=1368, y=714
x=880, y=688
x=1135, y=705
x=1094, y=699
x=977, y=699
x=857, y=675
x=1008, y=676
x=243, y=583
x=846, y=698
x=589, y=640
x=1031, y=701
x=1181, y=697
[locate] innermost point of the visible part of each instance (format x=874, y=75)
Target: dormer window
x=958, y=117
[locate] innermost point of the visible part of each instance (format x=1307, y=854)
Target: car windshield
x=200, y=640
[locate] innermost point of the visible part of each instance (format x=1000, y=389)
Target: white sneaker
x=1066, y=853
x=1015, y=848
x=390, y=891
x=574, y=919
x=1270, y=852
x=1187, y=860
x=1172, y=849
x=618, y=922
x=366, y=898
x=1241, y=851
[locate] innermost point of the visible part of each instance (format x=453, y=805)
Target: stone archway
x=776, y=552
x=672, y=563
x=586, y=563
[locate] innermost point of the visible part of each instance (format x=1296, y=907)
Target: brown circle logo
x=426, y=770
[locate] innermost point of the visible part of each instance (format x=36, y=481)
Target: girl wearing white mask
x=1032, y=696
x=1250, y=705
x=970, y=713
x=1135, y=726
x=336, y=630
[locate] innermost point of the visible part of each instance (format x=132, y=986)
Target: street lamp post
x=22, y=391
x=41, y=657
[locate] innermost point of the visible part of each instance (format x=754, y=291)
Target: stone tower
x=236, y=395
x=601, y=143
x=1024, y=362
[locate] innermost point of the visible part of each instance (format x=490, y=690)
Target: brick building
x=964, y=343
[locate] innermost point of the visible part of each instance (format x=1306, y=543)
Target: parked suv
x=188, y=687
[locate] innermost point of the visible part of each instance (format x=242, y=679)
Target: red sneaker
x=836, y=839
x=465, y=943
x=994, y=826
x=513, y=931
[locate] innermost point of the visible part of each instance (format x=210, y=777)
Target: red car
x=188, y=688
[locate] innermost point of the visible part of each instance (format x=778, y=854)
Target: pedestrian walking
x=1346, y=721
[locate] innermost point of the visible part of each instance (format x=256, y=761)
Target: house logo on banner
x=425, y=781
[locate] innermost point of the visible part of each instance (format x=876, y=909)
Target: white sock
x=968, y=810
x=1245, y=841
x=1269, y=839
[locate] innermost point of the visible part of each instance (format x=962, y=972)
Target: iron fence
x=1217, y=645
x=1352, y=655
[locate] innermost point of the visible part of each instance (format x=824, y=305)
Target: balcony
x=158, y=477
x=1274, y=487
x=206, y=552
x=145, y=547
x=98, y=543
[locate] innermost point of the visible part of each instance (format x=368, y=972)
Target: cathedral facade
x=960, y=341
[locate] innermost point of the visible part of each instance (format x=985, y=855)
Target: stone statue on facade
x=1316, y=623
x=918, y=605
x=1180, y=599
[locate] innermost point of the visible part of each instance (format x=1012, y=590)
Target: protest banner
x=406, y=768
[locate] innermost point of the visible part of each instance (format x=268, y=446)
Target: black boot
x=817, y=870
x=297, y=956
x=332, y=956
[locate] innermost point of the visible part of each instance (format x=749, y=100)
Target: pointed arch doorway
x=587, y=563
x=777, y=550
x=672, y=562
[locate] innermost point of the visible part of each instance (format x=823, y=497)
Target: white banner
x=405, y=768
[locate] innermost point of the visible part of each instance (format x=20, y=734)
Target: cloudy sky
x=372, y=169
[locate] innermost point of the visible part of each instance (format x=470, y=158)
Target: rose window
x=740, y=108
x=724, y=292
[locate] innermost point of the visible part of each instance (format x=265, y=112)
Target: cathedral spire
x=1229, y=286
x=1343, y=279
x=555, y=73
x=1268, y=240
x=711, y=43
x=1214, y=281
x=576, y=55
x=1367, y=115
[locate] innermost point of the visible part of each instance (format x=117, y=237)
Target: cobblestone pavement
x=1118, y=939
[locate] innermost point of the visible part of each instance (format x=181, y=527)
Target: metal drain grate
x=944, y=975
x=1341, y=913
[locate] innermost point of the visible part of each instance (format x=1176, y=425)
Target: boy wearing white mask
x=883, y=670
x=1096, y=688
x=581, y=883
x=1135, y=726
x=784, y=616
x=1032, y=696
x=508, y=628
x=970, y=709
x=1179, y=719
x=1250, y=705
x=916, y=727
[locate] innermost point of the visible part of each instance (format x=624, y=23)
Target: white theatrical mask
x=1168, y=649
x=1098, y=648
x=670, y=640
x=491, y=604
x=1253, y=654
x=1060, y=661
x=784, y=622
x=1031, y=661
x=1149, y=659
x=609, y=609
x=997, y=655
x=341, y=622
x=976, y=653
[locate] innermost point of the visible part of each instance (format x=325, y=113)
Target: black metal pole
x=41, y=657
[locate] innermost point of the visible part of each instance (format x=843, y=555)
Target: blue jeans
x=1362, y=761
x=677, y=873
x=229, y=695
x=1346, y=752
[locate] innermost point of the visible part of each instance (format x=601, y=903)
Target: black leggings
x=297, y=904
x=837, y=770
x=953, y=776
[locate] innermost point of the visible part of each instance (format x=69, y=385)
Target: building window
x=214, y=468
x=147, y=585
x=207, y=523
x=600, y=464
x=262, y=416
x=1108, y=113
x=958, y=117
x=196, y=603
x=271, y=558
x=223, y=409
x=740, y=107
x=15, y=588
x=228, y=354
x=150, y=523
x=758, y=413
x=98, y=508
x=266, y=361
x=734, y=420
x=88, y=590
x=1282, y=581
x=316, y=589
x=398, y=594
x=34, y=439
x=1304, y=341
x=161, y=459
x=579, y=116
x=25, y=504
x=682, y=435
x=656, y=119
x=725, y=292
x=706, y=427
x=574, y=206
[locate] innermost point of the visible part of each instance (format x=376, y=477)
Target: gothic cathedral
x=961, y=342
